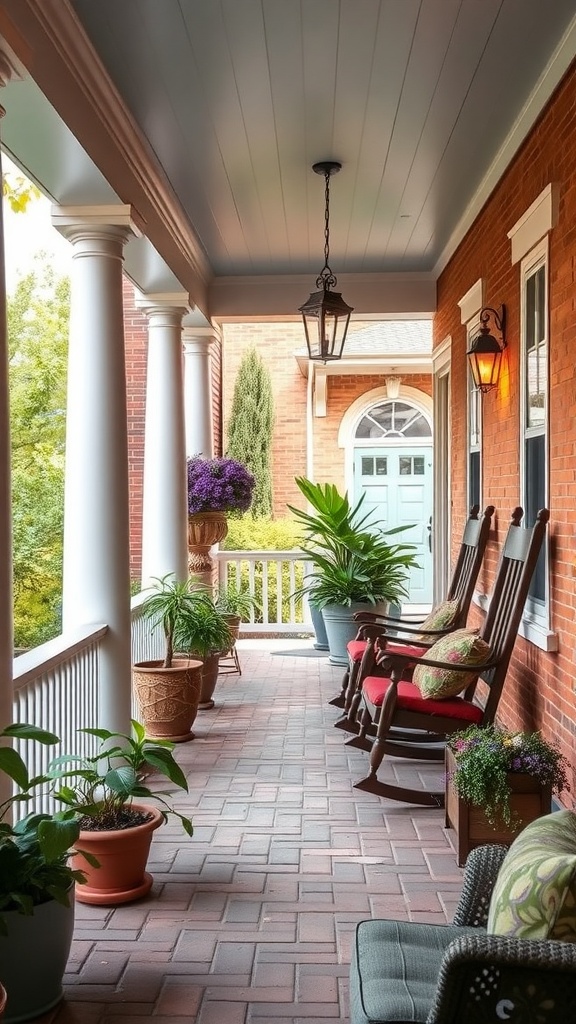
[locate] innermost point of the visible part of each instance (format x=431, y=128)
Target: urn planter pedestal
x=204, y=530
x=529, y=800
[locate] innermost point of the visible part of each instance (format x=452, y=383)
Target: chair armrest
x=489, y=978
x=372, y=630
x=381, y=619
x=482, y=867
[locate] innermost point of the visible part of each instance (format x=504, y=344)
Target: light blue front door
x=397, y=483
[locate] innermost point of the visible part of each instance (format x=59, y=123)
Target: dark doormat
x=304, y=652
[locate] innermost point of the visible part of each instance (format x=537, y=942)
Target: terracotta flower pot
x=168, y=697
x=122, y=855
x=210, y=669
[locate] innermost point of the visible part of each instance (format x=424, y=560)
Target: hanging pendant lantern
x=325, y=314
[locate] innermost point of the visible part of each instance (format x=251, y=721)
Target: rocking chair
x=407, y=725
x=418, y=639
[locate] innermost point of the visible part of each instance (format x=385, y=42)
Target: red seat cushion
x=410, y=699
x=356, y=649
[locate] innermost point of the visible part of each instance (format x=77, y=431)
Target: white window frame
x=536, y=621
x=473, y=395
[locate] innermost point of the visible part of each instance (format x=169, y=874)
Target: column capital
x=113, y=222
x=163, y=303
x=199, y=339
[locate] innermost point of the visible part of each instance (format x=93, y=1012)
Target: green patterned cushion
x=462, y=647
x=441, y=616
x=535, y=892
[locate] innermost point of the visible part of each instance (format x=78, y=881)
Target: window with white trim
x=534, y=413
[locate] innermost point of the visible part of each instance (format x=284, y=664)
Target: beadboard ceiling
x=240, y=97
x=424, y=102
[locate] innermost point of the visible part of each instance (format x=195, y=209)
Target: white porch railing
x=271, y=577
x=56, y=688
x=56, y=685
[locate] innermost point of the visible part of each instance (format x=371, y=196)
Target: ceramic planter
x=168, y=697
x=122, y=855
x=528, y=801
x=341, y=628
x=321, y=643
x=33, y=958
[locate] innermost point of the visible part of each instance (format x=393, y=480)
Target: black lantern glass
x=325, y=314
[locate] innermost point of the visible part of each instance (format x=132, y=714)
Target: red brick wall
x=276, y=344
x=135, y=339
x=540, y=688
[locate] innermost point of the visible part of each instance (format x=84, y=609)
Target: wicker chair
x=403, y=972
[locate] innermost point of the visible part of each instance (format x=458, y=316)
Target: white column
x=165, y=505
x=96, y=523
x=6, y=583
x=198, y=391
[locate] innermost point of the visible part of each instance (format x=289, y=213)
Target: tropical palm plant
x=352, y=559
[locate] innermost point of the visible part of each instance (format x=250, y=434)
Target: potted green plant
x=36, y=887
x=235, y=604
x=104, y=793
x=204, y=634
x=354, y=566
x=496, y=782
x=168, y=690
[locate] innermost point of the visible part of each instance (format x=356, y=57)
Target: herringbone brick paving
x=252, y=919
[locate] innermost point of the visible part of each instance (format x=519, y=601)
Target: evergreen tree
x=250, y=427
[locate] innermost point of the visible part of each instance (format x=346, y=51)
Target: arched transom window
x=389, y=420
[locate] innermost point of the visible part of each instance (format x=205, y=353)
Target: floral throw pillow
x=462, y=647
x=535, y=892
x=441, y=616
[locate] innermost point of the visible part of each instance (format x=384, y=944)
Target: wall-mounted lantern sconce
x=325, y=314
x=485, y=352
x=393, y=387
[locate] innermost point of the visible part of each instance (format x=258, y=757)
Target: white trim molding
x=471, y=303
x=354, y=413
x=536, y=222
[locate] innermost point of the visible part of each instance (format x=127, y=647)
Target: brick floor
x=252, y=919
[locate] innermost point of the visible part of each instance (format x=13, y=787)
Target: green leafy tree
x=250, y=427
x=18, y=191
x=38, y=315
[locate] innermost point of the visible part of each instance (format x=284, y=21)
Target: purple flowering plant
x=485, y=755
x=218, y=485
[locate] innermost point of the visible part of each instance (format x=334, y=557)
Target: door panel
x=397, y=483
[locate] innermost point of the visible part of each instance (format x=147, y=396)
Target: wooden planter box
x=529, y=800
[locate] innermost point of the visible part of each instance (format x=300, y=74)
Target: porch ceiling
x=422, y=101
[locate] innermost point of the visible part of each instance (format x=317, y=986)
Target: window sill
x=535, y=632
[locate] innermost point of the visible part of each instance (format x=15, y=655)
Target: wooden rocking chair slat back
x=467, y=565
